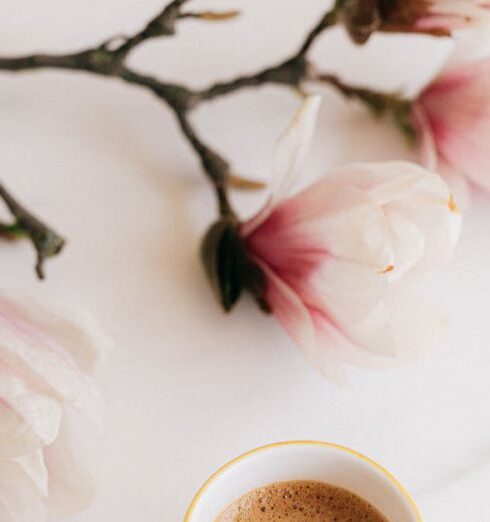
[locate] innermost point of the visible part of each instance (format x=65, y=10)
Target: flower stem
x=109, y=59
x=45, y=240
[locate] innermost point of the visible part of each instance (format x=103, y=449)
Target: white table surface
x=188, y=388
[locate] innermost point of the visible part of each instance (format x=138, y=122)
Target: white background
x=188, y=388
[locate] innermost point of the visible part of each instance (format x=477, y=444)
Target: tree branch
x=108, y=59
x=164, y=24
x=393, y=105
x=45, y=240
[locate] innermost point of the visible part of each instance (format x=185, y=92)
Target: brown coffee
x=301, y=501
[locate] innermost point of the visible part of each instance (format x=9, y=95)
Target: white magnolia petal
x=433, y=210
x=290, y=153
x=426, y=143
x=293, y=146
x=375, y=333
x=384, y=182
x=75, y=330
x=334, y=349
x=458, y=185
x=34, y=467
x=416, y=194
x=300, y=324
x=70, y=463
x=28, y=420
x=326, y=220
x=403, y=327
x=289, y=310
x=409, y=242
x=20, y=500
x=419, y=326
x=37, y=360
x=345, y=221
x=343, y=291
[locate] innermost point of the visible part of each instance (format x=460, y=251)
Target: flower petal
x=426, y=142
x=293, y=147
x=34, y=467
x=291, y=150
x=35, y=358
x=458, y=185
x=418, y=325
x=70, y=464
x=432, y=209
x=457, y=105
x=400, y=329
x=384, y=182
x=288, y=308
x=335, y=348
x=75, y=330
x=20, y=500
x=416, y=194
x=28, y=420
x=299, y=323
x=409, y=244
x=326, y=220
x=343, y=291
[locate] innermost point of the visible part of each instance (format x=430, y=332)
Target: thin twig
x=108, y=59
x=394, y=105
x=164, y=24
x=45, y=240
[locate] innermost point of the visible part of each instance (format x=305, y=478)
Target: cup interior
x=304, y=461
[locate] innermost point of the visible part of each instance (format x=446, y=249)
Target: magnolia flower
x=439, y=17
x=362, y=18
x=452, y=118
x=338, y=255
x=48, y=410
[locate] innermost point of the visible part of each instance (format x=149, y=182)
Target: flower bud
x=228, y=266
x=361, y=18
x=436, y=17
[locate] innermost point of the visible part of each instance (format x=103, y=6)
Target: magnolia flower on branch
x=49, y=409
x=452, y=119
x=335, y=259
x=448, y=121
x=109, y=59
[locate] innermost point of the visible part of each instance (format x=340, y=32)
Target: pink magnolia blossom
x=439, y=17
x=452, y=117
x=49, y=408
x=338, y=255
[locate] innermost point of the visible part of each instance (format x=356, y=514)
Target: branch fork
x=109, y=59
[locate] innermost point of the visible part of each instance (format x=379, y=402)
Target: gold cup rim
x=396, y=483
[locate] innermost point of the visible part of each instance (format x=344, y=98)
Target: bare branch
x=108, y=59
x=44, y=239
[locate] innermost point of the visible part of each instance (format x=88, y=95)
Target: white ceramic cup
x=303, y=460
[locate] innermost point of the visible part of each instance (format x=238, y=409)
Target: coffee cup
x=304, y=460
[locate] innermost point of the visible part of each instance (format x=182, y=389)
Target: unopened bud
x=361, y=18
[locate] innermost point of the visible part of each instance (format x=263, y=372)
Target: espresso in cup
x=301, y=501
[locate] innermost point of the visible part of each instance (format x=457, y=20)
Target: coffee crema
x=301, y=501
